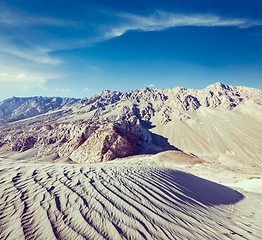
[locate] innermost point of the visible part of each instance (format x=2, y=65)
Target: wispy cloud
x=23, y=19
x=163, y=20
x=16, y=81
x=150, y=85
x=23, y=77
x=35, y=54
x=35, y=44
x=62, y=90
x=158, y=21
x=86, y=89
x=19, y=77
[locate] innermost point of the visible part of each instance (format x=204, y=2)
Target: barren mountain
x=217, y=124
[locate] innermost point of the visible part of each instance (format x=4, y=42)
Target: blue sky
x=80, y=48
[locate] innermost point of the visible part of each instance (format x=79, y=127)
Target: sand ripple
x=112, y=202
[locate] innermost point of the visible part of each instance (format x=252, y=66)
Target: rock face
x=24, y=143
x=107, y=143
x=216, y=123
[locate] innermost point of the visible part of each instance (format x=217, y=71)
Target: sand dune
x=99, y=201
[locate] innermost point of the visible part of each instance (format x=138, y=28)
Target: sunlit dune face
x=177, y=157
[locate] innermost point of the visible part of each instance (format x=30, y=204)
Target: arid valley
x=146, y=164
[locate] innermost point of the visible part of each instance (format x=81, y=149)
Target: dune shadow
x=201, y=190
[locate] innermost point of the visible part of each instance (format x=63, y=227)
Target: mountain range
x=219, y=124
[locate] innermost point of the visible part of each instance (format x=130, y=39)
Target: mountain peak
x=219, y=86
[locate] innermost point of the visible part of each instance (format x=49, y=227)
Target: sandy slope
x=107, y=201
x=226, y=137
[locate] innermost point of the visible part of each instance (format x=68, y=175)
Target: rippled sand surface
x=62, y=201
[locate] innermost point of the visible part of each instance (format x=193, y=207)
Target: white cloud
x=22, y=19
x=26, y=64
x=21, y=82
x=158, y=21
x=87, y=89
x=34, y=54
x=13, y=81
x=164, y=20
x=61, y=90
x=150, y=85
x=35, y=48
x=10, y=74
x=4, y=74
x=20, y=75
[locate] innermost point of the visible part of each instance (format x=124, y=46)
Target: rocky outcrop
x=84, y=141
x=107, y=143
x=23, y=143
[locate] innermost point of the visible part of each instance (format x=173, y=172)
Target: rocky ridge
x=113, y=125
x=15, y=108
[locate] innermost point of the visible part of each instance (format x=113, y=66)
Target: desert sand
x=121, y=201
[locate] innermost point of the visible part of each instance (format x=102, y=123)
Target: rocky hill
x=218, y=124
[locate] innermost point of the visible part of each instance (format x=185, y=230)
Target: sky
x=76, y=48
